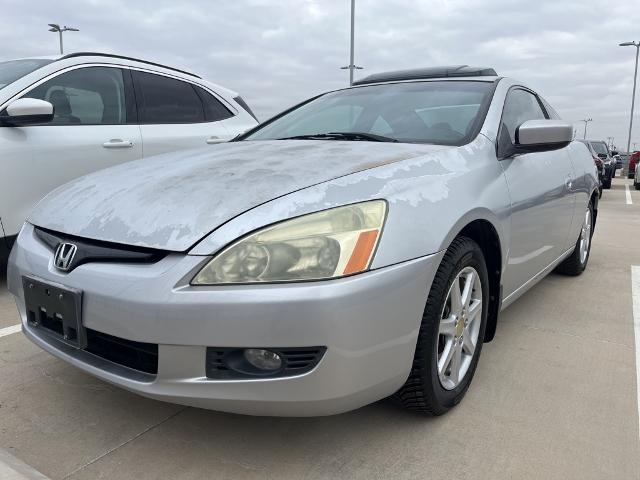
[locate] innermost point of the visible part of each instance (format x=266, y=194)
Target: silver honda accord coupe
x=357, y=246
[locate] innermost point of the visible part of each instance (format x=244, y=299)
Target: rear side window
x=166, y=100
x=85, y=96
x=214, y=110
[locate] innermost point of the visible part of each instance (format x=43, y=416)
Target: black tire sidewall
x=469, y=256
x=583, y=265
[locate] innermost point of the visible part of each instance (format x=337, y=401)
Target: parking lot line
x=628, y=194
x=10, y=330
x=13, y=469
x=635, y=292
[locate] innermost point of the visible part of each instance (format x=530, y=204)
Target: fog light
x=263, y=359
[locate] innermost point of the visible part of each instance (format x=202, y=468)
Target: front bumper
x=369, y=324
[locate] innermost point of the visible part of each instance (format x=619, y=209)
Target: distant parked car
x=600, y=150
x=624, y=161
x=63, y=117
x=598, y=163
x=633, y=162
x=618, y=160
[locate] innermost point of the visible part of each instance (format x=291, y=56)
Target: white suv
x=63, y=117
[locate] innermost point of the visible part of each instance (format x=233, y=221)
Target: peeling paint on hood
x=171, y=201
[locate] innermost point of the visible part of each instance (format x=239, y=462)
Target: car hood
x=172, y=201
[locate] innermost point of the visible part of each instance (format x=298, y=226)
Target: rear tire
x=636, y=185
x=576, y=263
x=606, y=183
x=449, y=324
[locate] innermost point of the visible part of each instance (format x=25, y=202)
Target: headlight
x=332, y=243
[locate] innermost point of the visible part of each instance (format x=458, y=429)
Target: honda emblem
x=63, y=258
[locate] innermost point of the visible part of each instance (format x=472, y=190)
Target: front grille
x=137, y=355
x=226, y=363
x=89, y=251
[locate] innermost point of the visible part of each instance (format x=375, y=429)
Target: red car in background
x=633, y=161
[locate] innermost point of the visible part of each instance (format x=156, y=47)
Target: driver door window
x=85, y=96
x=519, y=107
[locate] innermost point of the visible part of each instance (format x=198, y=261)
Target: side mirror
x=614, y=152
x=602, y=155
x=542, y=135
x=26, y=111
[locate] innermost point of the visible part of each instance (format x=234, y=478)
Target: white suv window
x=85, y=96
x=165, y=100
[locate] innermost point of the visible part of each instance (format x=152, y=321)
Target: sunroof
x=428, y=72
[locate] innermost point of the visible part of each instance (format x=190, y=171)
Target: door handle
x=568, y=183
x=117, y=143
x=213, y=139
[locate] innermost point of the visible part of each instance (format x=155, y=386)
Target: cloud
x=279, y=53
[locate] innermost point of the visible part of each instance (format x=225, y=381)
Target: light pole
x=351, y=67
x=609, y=142
x=586, y=120
x=633, y=95
x=56, y=28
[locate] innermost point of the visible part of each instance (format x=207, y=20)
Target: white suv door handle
x=213, y=139
x=117, y=143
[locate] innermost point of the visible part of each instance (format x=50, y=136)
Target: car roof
x=112, y=55
x=76, y=58
x=56, y=58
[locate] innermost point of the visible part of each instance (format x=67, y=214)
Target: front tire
x=606, y=183
x=451, y=333
x=576, y=263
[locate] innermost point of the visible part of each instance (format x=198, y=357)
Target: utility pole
x=351, y=67
x=56, y=28
x=586, y=120
x=633, y=95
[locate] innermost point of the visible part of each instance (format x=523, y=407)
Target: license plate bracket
x=56, y=310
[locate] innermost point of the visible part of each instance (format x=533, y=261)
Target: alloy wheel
x=585, y=236
x=459, y=328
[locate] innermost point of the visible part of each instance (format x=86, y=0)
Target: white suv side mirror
x=26, y=111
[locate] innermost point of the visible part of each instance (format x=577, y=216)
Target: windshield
x=600, y=148
x=14, y=69
x=445, y=113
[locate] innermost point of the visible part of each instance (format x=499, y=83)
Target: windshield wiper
x=350, y=136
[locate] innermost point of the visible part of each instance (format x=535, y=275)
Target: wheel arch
x=485, y=233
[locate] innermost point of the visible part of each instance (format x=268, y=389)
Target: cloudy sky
x=278, y=52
